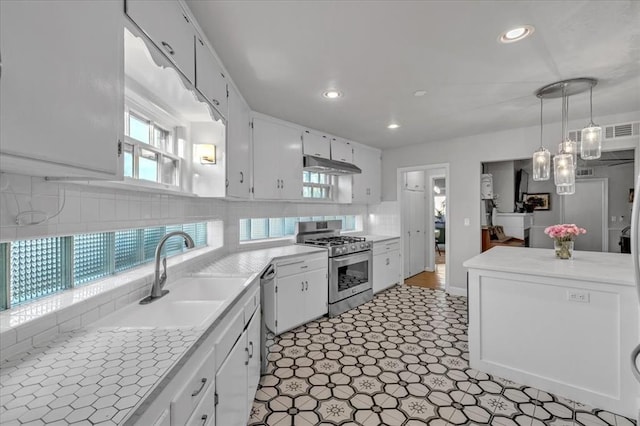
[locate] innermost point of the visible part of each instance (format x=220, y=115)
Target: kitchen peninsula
x=563, y=326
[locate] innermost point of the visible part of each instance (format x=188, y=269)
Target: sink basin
x=168, y=314
x=206, y=288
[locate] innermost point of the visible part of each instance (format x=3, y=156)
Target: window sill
x=142, y=185
x=39, y=321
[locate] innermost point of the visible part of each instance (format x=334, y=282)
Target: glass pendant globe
x=591, y=146
x=569, y=147
x=564, y=172
x=541, y=164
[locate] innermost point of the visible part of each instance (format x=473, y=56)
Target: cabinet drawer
x=229, y=337
x=384, y=247
x=251, y=305
x=192, y=393
x=204, y=414
x=304, y=264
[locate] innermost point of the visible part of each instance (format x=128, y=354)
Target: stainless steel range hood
x=312, y=163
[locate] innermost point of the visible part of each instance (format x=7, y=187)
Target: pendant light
x=564, y=171
x=541, y=158
x=591, y=146
x=567, y=145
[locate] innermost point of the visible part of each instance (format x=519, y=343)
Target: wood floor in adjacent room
x=434, y=280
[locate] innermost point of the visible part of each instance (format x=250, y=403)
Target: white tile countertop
x=105, y=375
x=610, y=268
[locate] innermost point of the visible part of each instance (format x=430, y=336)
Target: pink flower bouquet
x=564, y=232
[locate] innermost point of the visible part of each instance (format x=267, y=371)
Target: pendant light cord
x=591, y=106
x=541, y=148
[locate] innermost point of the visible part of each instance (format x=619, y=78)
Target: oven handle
x=352, y=258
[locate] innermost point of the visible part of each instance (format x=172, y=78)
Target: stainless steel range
x=350, y=263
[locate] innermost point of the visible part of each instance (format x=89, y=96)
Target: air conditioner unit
x=584, y=172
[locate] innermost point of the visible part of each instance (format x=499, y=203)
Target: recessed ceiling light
x=516, y=34
x=419, y=93
x=331, y=94
x=393, y=126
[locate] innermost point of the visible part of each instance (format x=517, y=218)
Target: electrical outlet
x=578, y=296
x=613, y=218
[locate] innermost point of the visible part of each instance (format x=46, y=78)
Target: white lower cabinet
x=218, y=382
x=298, y=293
x=386, y=264
x=237, y=379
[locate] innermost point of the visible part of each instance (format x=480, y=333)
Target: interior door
x=588, y=208
x=231, y=386
x=417, y=223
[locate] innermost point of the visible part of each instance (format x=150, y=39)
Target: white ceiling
x=283, y=54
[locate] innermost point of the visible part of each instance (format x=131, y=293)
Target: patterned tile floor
x=401, y=359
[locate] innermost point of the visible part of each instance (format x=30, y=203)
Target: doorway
x=594, y=193
x=423, y=212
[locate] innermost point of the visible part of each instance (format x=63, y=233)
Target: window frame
x=161, y=154
x=357, y=226
x=329, y=187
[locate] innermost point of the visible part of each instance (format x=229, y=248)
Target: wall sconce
x=206, y=153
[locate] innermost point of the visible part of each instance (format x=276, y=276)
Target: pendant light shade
x=570, y=147
x=541, y=158
x=541, y=164
x=564, y=172
x=591, y=146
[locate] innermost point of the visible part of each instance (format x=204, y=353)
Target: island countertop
x=611, y=268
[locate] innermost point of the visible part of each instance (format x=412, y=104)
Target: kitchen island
x=563, y=326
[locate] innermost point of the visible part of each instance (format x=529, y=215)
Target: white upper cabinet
x=169, y=27
x=341, y=150
x=238, y=143
x=316, y=144
x=367, y=185
x=415, y=180
x=277, y=161
x=210, y=80
x=61, y=88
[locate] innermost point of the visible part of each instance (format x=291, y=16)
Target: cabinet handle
x=226, y=183
x=387, y=260
x=282, y=184
x=204, y=419
x=215, y=102
x=307, y=287
x=241, y=177
x=304, y=266
x=247, y=361
x=202, y=383
x=251, y=354
x=302, y=289
x=317, y=155
x=168, y=48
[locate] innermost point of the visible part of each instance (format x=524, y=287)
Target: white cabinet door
x=290, y=164
x=266, y=159
x=253, y=369
x=290, y=302
x=61, y=88
x=393, y=268
x=316, y=144
x=209, y=77
x=379, y=272
x=238, y=141
x=415, y=180
x=169, y=28
x=341, y=150
x=316, y=294
x=231, y=386
x=366, y=186
x=277, y=161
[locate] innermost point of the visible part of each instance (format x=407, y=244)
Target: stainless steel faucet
x=158, y=282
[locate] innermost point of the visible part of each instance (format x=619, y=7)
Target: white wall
x=503, y=184
x=465, y=156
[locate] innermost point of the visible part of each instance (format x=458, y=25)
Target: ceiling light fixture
x=541, y=158
x=565, y=162
x=516, y=34
x=331, y=94
x=393, y=126
x=591, y=140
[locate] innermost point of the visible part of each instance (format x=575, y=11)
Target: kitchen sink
x=163, y=314
x=206, y=288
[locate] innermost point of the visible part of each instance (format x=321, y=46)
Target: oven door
x=349, y=275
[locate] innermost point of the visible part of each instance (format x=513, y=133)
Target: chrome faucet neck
x=160, y=279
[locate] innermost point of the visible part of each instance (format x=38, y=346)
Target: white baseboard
x=457, y=291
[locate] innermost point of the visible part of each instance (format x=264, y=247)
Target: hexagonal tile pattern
x=401, y=359
x=88, y=376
